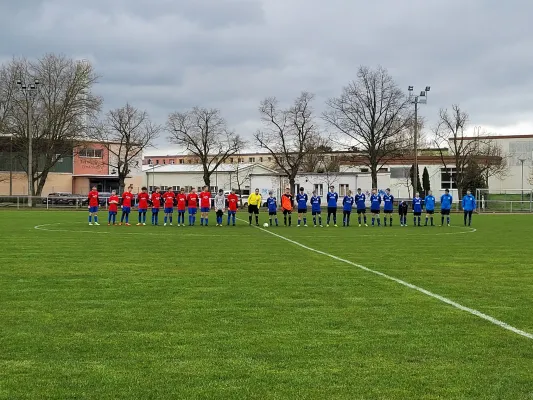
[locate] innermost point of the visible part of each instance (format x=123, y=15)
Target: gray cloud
x=164, y=55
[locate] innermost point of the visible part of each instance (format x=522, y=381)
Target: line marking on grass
x=42, y=227
x=452, y=303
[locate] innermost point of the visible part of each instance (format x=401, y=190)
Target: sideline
x=452, y=303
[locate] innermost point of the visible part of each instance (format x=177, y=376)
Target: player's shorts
x=192, y=211
x=93, y=209
x=346, y=212
x=387, y=211
x=430, y=212
x=112, y=213
x=142, y=210
x=375, y=211
x=169, y=210
x=302, y=211
x=332, y=210
x=417, y=213
x=469, y=212
x=126, y=210
x=220, y=213
x=205, y=209
x=445, y=212
x=252, y=209
x=155, y=210
x=316, y=212
x=361, y=211
x=181, y=211
x=272, y=213
x=285, y=212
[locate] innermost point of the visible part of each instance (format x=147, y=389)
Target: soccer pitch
x=239, y=313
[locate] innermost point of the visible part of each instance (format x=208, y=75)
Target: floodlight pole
x=420, y=99
x=29, y=92
x=522, y=184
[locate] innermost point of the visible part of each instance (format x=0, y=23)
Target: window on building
x=241, y=160
x=231, y=159
x=181, y=161
x=343, y=189
x=399, y=172
x=157, y=162
x=260, y=159
x=319, y=188
x=164, y=161
x=269, y=158
x=448, y=178
x=251, y=159
x=91, y=153
x=59, y=158
x=171, y=162
x=176, y=188
x=383, y=170
x=364, y=169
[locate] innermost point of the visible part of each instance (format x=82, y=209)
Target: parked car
x=63, y=198
x=103, y=198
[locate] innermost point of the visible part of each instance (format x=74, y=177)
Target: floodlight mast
x=29, y=91
x=416, y=100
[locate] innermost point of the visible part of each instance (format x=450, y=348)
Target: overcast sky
x=165, y=55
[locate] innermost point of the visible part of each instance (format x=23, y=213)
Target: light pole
x=522, y=185
x=416, y=100
x=29, y=91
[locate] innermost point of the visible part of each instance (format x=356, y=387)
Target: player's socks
x=334, y=219
x=233, y=217
x=201, y=221
x=206, y=221
x=305, y=221
x=257, y=219
x=285, y=220
x=431, y=221
x=348, y=220
x=448, y=219
x=276, y=219
x=373, y=221
x=250, y=219
x=96, y=219
x=364, y=219
x=379, y=221
x=426, y=224
x=442, y=220
x=419, y=219
x=290, y=219
x=390, y=221
x=299, y=220
x=90, y=217
x=127, y=218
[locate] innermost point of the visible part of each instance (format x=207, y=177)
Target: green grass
x=236, y=313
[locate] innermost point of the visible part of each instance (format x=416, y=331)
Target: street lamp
x=522, y=191
x=422, y=98
x=29, y=91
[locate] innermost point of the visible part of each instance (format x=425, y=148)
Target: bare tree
x=125, y=132
x=317, y=148
x=57, y=110
x=478, y=150
x=204, y=133
x=287, y=132
x=241, y=175
x=373, y=114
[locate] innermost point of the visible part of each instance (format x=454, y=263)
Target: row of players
x=191, y=200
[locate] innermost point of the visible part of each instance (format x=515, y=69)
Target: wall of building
x=91, y=166
x=56, y=182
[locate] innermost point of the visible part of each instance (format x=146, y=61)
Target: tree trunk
x=207, y=179
x=121, y=183
x=374, y=174
x=40, y=184
x=292, y=184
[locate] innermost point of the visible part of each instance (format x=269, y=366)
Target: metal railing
x=48, y=202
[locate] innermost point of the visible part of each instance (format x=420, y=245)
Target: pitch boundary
x=443, y=299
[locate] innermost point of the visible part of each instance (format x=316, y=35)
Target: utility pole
x=29, y=92
x=420, y=99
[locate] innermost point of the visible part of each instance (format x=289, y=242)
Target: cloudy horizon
x=165, y=55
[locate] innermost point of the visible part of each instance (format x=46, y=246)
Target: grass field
x=238, y=313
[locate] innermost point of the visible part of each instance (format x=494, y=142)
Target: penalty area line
x=443, y=299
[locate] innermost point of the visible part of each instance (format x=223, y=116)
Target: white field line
x=452, y=303
x=120, y=231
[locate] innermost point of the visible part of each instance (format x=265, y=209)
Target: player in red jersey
x=192, y=204
x=93, y=206
x=233, y=202
x=113, y=208
x=143, y=198
x=205, y=205
x=127, y=198
x=182, y=205
x=156, y=204
x=169, y=205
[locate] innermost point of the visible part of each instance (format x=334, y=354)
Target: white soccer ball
x=265, y=225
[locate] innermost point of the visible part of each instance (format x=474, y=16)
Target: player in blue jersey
x=347, y=205
x=316, y=202
x=417, y=208
x=375, y=206
x=403, y=207
x=445, y=206
x=272, y=206
x=360, y=201
x=469, y=205
x=429, y=203
x=301, y=202
x=332, y=199
x=388, y=205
